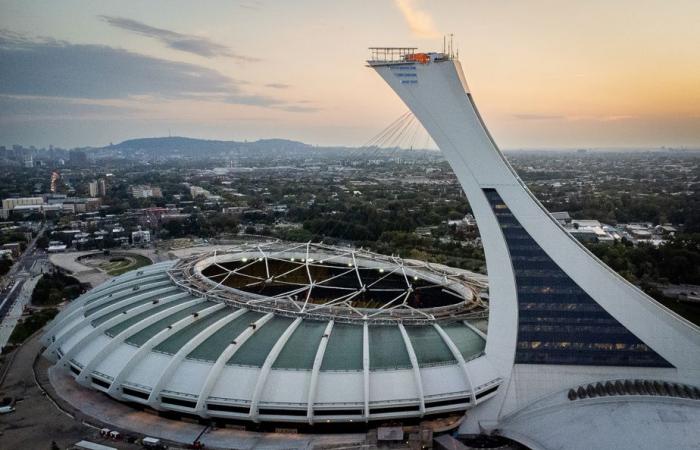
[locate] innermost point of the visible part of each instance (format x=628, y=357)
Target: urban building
x=93, y=188
x=140, y=237
x=101, y=187
x=25, y=205
x=11, y=203
x=145, y=191
x=196, y=191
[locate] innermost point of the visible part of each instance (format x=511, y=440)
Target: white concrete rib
x=315, y=371
x=460, y=360
x=50, y=351
x=116, y=341
x=475, y=329
x=69, y=312
x=115, y=388
x=75, y=311
x=184, y=351
x=267, y=366
x=106, y=325
x=218, y=366
x=365, y=367
x=416, y=369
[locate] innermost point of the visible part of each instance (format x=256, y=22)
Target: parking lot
x=37, y=422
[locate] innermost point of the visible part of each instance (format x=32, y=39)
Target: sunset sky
x=545, y=74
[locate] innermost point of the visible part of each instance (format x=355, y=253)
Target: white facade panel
x=352, y=391
x=481, y=371
x=79, y=318
x=86, y=353
x=116, y=359
x=286, y=386
x=236, y=382
x=76, y=338
x=148, y=371
x=188, y=377
x=391, y=385
x=438, y=380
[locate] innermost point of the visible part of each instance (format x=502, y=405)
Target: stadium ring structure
x=268, y=333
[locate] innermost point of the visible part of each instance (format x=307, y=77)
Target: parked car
x=7, y=409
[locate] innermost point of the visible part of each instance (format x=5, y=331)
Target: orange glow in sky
x=545, y=74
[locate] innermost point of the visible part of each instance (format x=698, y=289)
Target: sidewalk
x=9, y=322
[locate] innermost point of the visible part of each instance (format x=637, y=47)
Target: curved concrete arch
x=456, y=354
x=116, y=341
x=153, y=342
x=84, y=298
x=148, y=272
x=51, y=350
x=218, y=366
x=101, y=328
x=416, y=369
x=267, y=366
x=315, y=370
x=186, y=350
x=81, y=306
x=365, y=367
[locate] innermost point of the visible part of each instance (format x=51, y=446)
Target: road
x=21, y=279
x=21, y=298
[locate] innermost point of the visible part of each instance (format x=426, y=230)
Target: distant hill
x=201, y=144
x=189, y=148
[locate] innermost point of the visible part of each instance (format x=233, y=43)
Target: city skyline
x=595, y=74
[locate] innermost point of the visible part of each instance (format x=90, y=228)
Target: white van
x=150, y=442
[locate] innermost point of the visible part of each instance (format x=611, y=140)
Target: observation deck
x=385, y=56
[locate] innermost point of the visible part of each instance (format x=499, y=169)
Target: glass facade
x=558, y=322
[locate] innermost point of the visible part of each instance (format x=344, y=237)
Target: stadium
x=576, y=356
x=269, y=332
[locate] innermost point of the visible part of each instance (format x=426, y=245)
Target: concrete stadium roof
x=150, y=338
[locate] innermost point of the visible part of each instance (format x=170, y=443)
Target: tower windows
x=558, y=322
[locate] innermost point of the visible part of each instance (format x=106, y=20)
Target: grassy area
x=28, y=325
x=120, y=264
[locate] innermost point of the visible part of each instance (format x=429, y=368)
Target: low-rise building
x=145, y=191
x=14, y=247
x=141, y=237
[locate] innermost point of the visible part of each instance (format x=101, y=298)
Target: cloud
x=539, y=116
x=278, y=85
x=50, y=68
x=59, y=107
x=183, y=42
x=270, y=102
x=420, y=22
x=575, y=118
x=23, y=108
x=42, y=68
x=251, y=99
x=299, y=108
x=253, y=5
